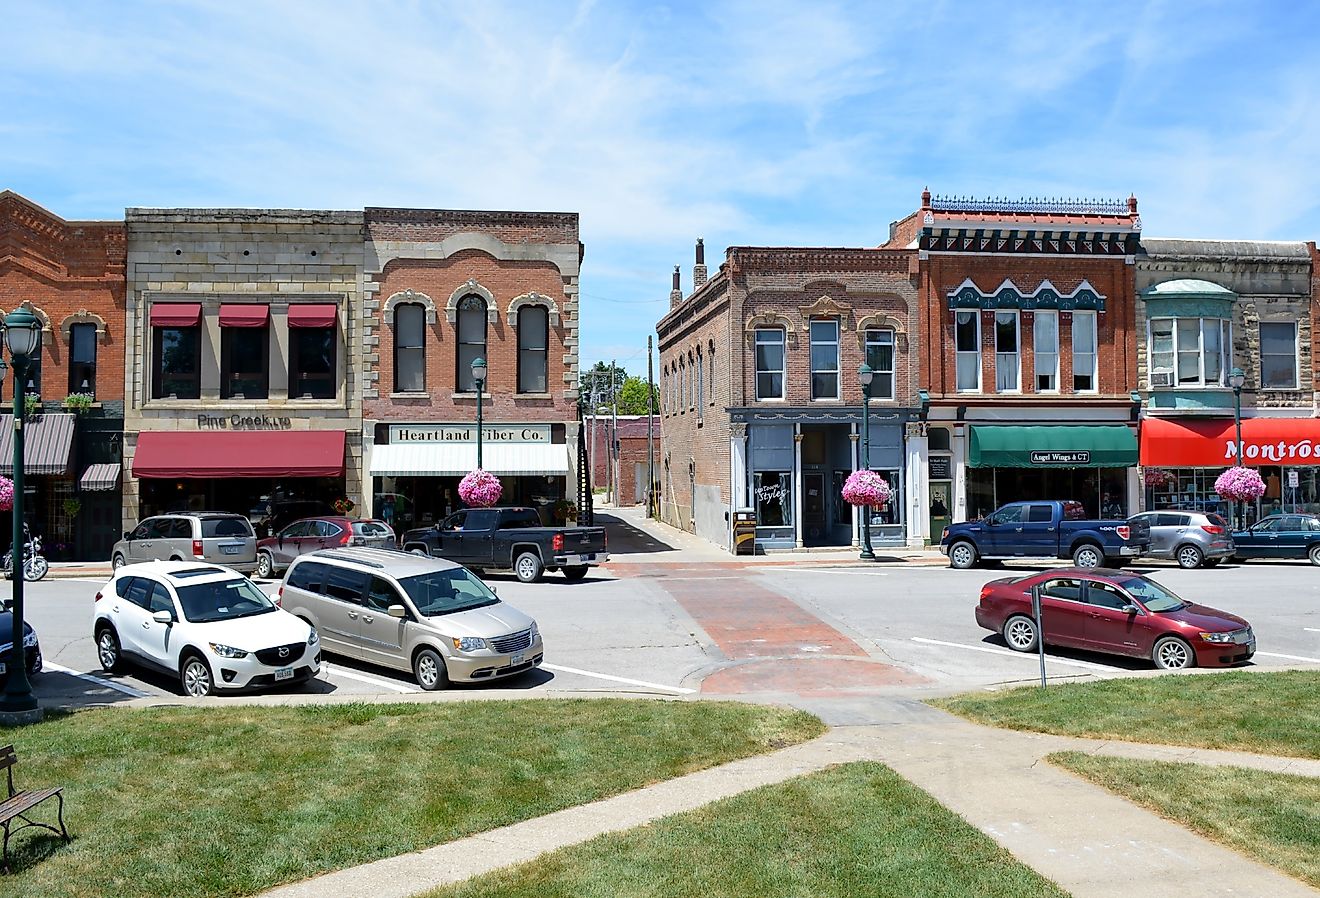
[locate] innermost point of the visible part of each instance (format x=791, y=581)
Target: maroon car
x=1103, y=610
x=275, y=553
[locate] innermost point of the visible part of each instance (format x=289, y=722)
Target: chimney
x=676, y=294
x=1132, y=204
x=699, y=270
x=925, y=198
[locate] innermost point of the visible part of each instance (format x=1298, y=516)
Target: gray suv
x=1191, y=538
x=414, y=613
x=213, y=536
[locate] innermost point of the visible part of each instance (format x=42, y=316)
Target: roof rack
x=343, y=555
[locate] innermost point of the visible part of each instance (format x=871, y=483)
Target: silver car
x=1191, y=538
x=216, y=537
x=413, y=613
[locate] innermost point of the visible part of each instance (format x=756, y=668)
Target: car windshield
x=445, y=592
x=1156, y=598
x=222, y=600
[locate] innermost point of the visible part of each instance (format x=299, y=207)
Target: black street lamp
x=19, y=705
x=1236, y=378
x=479, y=378
x=864, y=376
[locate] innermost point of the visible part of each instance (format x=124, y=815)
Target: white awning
x=457, y=459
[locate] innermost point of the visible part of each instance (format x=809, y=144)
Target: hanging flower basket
x=480, y=489
x=6, y=494
x=1157, y=477
x=1240, y=484
x=866, y=488
x=343, y=505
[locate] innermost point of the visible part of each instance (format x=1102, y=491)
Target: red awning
x=243, y=314
x=1213, y=444
x=240, y=453
x=313, y=314
x=176, y=314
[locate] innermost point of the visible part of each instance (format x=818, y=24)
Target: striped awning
x=98, y=478
x=47, y=440
x=457, y=459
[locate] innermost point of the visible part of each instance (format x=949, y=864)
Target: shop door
x=941, y=501
x=813, y=507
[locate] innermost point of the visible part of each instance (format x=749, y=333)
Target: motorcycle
x=35, y=565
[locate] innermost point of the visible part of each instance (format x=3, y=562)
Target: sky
x=761, y=123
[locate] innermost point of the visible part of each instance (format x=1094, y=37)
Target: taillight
x=197, y=548
x=279, y=597
x=557, y=542
x=1212, y=528
x=346, y=538
x=944, y=534
x=985, y=593
x=1123, y=532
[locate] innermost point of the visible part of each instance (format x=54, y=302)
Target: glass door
x=813, y=506
x=941, y=501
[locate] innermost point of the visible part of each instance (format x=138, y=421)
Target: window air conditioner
x=1161, y=379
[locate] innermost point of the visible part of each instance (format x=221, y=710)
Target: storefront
x=416, y=468
x=48, y=484
x=1182, y=459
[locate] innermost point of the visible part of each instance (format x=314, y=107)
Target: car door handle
x=367, y=620
x=352, y=615
x=146, y=625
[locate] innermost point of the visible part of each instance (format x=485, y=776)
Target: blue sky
x=762, y=123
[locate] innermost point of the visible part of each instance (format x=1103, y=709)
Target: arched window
x=471, y=340
x=533, y=348
x=410, y=348
x=701, y=384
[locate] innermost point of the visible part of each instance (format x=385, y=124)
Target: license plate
x=284, y=673
x=515, y=660
x=231, y=550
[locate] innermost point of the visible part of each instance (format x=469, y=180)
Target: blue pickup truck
x=1045, y=530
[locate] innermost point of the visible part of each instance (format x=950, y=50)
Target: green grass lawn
x=1271, y=817
x=1276, y=713
x=233, y=800
x=858, y=829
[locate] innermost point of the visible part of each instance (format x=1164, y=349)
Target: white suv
x=209, y=626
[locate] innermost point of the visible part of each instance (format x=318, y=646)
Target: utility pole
x=614, y=431
x=650, y=438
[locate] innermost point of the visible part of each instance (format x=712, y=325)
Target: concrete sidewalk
x=1090, y=842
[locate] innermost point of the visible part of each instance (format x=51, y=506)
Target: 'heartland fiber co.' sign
x=467, y=433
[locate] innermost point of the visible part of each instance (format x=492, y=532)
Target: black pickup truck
x=510, y=539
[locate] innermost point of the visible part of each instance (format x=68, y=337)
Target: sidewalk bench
x=17, y=804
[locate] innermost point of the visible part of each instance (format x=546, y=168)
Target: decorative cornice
x=409, y=296
x=472, y=288
x=806, y=259
x=825, y=307
x=1033, y=206
x=82, y=316
x=532, y=299
x=1009, y=296
x=767, y=320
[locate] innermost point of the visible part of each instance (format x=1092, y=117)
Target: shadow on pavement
x=1118, y=662
x=626, y=539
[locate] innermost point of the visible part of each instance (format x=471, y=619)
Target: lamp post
x=1236, y=378
x=479, y=378
x=864, y=375
x=19, y=705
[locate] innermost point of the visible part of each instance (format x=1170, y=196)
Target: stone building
x=1205, y=307
x=70, y=274
x=445, y=288
x=244, y=339
x=761, y=407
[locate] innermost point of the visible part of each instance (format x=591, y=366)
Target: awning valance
x=99, y=478
x=47, y=440
x=313, y=314
x=457, y=459
x=244, y=314
x=1026, y=446
x=241, y=453
x=1212, y=443
x=176, y=314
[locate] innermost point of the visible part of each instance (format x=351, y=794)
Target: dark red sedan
x=1102, y=610
x=276, y=553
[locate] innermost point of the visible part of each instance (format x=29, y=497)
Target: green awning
x=1052, y=447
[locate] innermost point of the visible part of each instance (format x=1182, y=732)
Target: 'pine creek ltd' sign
x=467, y=433
x=244, y=422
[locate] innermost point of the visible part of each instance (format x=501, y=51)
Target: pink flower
x=1240, y=484
x=866, y=488
x=480, y=489
x=1158, y=477
x=6, y=494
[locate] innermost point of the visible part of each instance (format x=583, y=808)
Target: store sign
x=467, y=433
x=941, y=467
x=1056, y=457
x=1293, y=480
x=244, y=422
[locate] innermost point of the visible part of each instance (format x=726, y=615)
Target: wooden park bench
x=17, y=804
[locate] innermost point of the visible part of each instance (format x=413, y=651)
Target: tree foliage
x=632, y=397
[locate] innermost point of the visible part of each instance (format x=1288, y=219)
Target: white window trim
x=838, y=370
x=1297, y=357
x=958, y=353
x=1226, y=359
x=1017, y=352
x=783, y=364
x=1036, y=354
x=1094, y=351
x=893, y=360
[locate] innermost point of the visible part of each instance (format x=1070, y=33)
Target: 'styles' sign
x=1061, y=457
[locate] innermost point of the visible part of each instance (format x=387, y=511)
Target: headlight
x=312, y=638
x=227, y=651
x=30, y=640
x=469, y=643
x=1217, y=637
x=536, y=632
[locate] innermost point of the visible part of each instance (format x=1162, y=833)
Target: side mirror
x=163, y=617
x=397, y=611
x=1129, y=609
x=493, y=590
x=128, y=536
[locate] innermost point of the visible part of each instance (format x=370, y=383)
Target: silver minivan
x=414, y=613
x=1191, y=538
x=216, y=537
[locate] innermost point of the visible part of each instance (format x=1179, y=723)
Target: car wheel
x=1088, y=555
x=1020, y=633
x=575, y=573
x=528, y=567
x=1190, y=557
x=107, y=650
x=1314, y=555
x=429, y=670
x=265, y=566
x=195, y=676
x=1171, y=653
x=962, y=556
x=117, y=562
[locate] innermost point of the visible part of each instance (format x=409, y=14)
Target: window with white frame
x=1083, y=351
x=967, y=339
x=1278, y=355
x=770, y=363
x=1045, y=349
x=880, y=356
x=1187, y=352
x=825, y=359
x=1007, y=359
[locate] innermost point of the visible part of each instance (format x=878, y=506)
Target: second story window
x=770, y=363
x=967, y=339
x=82, y=359
x=1084, y=350
x=1278, y=355
x=471, y=340
x=176, y=350
x=1045, y=347
x=244, y=351
x=313, y=364
x=1186, y=352
x=825, y=359
x=701, y=386
x=1007, y=366
x=880, y=356
x=409, y=348
x=533, y=348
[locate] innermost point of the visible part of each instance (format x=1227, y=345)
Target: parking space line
x=676, y=690
x=1030, y=656
x=1311, y=629
x=363, y=678
x=92, y=678
x=1289, y=657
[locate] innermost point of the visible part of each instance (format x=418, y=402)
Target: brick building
x=1027, y=353
x=760, y=399
x=70, y=274
x=628, y=435
x=443, y=289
